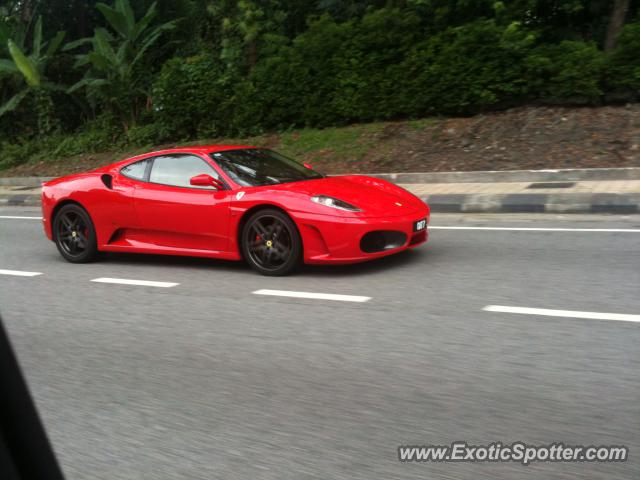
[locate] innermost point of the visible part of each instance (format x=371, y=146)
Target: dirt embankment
x=523, y=138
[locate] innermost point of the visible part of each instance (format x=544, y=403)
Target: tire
x=271, y=243
x=75, y=234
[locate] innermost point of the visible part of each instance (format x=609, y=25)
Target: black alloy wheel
x=74, y=234
x=271, y=243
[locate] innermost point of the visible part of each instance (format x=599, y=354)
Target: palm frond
x=76, y=43
x=7, y=66
x=124, y=7
x=13, y=102
x=144, y=21
x=87, y=82
x=55, y=43
x=115, y=18
x=37, y=38
x=25, y=65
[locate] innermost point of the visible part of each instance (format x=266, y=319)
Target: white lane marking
x=623, y=317
x=20, y=273
x=317, y=296
x=126, y=281
x=541, y=229
x=14, y=217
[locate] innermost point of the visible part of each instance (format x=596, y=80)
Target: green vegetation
x=332, y=146
x=344, y=143
x=138, y=74
x=117, y=76
x=28, y=72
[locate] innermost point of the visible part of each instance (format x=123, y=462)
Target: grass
x=341, y=143
x=333, y=148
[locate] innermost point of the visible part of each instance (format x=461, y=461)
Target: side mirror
x=307, y=165
x=205, y=180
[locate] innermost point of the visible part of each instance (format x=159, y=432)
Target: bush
x=569, y=71
x=334, y=73
x=99, y=135
x=12, y=154
x=374, y=68
x=296, y=83
x=465, y=69
x=146, y=135
x=370, y=74
x=191, y=98
x=623, y=64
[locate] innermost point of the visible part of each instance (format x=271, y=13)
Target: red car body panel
x=144, y=217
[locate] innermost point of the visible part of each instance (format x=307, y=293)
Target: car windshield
x=254, y=167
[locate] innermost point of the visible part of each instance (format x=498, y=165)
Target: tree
x=30, y=69
x=616, y=22
x=241, y=26
x=116, y=75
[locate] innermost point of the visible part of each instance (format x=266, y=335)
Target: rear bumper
x=337, y=240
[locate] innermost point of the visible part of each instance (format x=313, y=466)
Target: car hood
x=375, y=197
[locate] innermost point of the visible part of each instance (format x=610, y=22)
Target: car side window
x=135, y=170
x=177, y=170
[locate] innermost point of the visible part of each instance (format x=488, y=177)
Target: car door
x=173, y=213
x=112, y=207
x=124, y=183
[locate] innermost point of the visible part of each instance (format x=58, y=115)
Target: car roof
x=199, y=149
x=215, y=148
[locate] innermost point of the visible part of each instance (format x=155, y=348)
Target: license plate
x=420, y=225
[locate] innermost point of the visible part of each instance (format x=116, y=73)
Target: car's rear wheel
x=75, y=235
x=271, y=243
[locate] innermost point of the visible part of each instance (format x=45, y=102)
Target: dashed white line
x=126, y=281
x=622, y=317
x=541, y=229
x=15, y=217
x=315, y=296
x=19, y=273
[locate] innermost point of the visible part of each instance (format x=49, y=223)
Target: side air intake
x=107, y=180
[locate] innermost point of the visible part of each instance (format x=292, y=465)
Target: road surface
x=199, y=377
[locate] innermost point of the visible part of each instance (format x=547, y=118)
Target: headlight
x=334, y=203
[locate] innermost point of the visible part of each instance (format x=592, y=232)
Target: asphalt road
x=207, y=380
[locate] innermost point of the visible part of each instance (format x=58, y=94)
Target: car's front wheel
x=75, y=235
x=271, y=243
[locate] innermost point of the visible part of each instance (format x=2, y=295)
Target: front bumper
x=332, y=239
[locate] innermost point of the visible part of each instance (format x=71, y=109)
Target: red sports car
x=231, y=202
